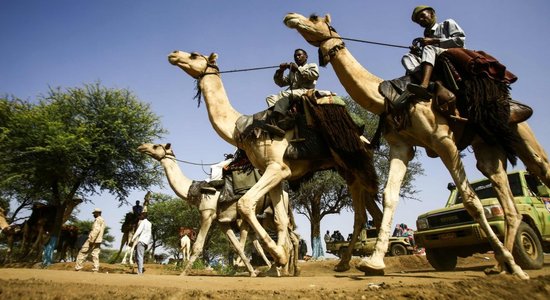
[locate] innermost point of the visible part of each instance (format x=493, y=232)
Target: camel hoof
x=370, y=269
x=495, y=270
x=272, y=272
x=281, y=258
x=342, y=267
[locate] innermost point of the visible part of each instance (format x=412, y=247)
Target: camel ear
x=212, y=58
x=168, y=146
x=327, y=18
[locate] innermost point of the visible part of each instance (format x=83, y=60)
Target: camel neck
x=221, y=113
x=178, y=182
x=361, y=85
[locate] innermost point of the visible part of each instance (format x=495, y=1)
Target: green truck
x=450, y=232
x=365, y=245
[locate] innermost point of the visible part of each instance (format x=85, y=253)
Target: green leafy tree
x=75, y=143
x=326, y=192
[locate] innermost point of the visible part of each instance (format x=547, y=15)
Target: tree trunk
x=55, y=233
x=315, y=218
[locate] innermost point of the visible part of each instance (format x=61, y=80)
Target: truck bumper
x=457, y=236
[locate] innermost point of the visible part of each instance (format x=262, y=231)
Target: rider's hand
x=293, y=66
x=415, y=50
x=283, y=66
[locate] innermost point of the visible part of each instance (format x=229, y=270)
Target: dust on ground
x=407, y=277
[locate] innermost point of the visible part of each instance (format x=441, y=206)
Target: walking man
x=143, y=238
x=93, y=243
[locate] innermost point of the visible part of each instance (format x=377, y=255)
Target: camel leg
x=238, y=246
x=293, y=261
x=532, y=154
x=491, y=161
x=473, y=205
x=122, y=244
x=359, y=220
x=131, y=259
x=271, y=179
x=207, y=216
x=400, y=155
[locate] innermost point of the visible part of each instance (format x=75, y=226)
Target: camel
x=434, y=132
x=3, y=222
x=128, y=228
x=209, y=209
x=66, y=247
x=266, y=153
x=41, y=222
x=185, y=241
x=11, y=232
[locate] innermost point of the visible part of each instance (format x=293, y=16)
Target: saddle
x=454, y=71
x=471, y=87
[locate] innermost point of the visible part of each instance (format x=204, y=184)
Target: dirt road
x=406, y=277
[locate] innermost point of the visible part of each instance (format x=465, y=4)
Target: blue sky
x=124, y=44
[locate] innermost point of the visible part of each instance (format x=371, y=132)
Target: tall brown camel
x=210, y=210
x=266, y=153
x=430, y=130
x=41, y=222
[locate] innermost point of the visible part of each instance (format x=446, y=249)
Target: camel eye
x=194, y=55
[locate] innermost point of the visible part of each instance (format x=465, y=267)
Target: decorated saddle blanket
x=475, y=63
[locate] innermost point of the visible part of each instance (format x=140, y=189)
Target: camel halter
x=198, y=79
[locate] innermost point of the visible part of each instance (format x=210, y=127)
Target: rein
x=325, y=58
x=173, y=157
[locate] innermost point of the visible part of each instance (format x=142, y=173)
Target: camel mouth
x=172, y=59
x=291, y=20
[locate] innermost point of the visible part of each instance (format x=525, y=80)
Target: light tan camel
x=432, y=131
x=185, y=242
x=266, y=153
x=210, y=211
x=3, y=221
x=11, y=232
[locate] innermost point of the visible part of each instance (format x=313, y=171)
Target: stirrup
x=420, y=91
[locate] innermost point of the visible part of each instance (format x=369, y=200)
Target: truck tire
x=527, y=250
x=441, y=259
x=398, y=249
x=342, y=252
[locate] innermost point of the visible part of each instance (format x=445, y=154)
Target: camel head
x=194, y=63
x=314, y=29
x=157, y=151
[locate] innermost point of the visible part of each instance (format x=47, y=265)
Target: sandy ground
x=407, y=277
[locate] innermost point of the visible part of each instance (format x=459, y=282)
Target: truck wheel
x=342, y=252
x=441, y=259
x=527, y=248
x=398, y=249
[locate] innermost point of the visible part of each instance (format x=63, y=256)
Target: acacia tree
x=76, y=143
x=327, y=193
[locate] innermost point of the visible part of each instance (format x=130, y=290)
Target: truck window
x=532, y=183
x=484, y=189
